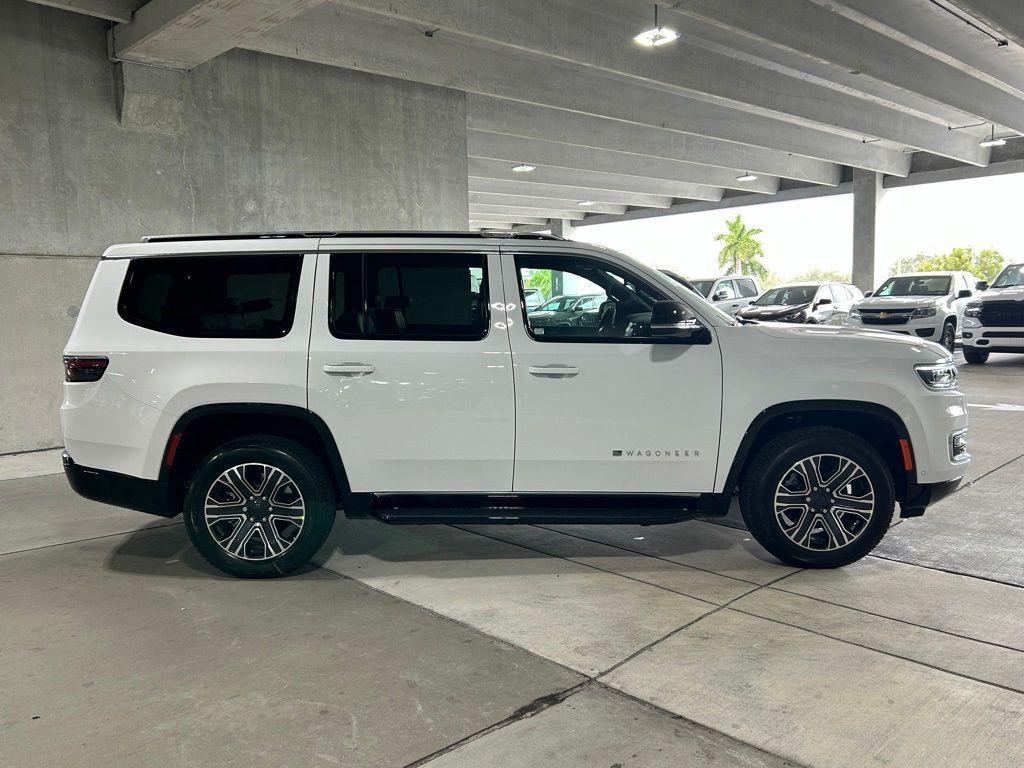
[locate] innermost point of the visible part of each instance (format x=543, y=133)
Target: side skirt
x=510, y=508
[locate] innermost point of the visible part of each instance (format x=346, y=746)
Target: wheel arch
x=878, y=425
x=199, y=430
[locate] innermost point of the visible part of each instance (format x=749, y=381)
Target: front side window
x=611, y=305
x=243, y=296
x=408, y=296
x=703, y=287
x=724, y=291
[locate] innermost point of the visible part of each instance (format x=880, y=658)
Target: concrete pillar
x=867, y=193
x=562, y=228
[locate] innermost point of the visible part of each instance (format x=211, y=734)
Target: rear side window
x=425, y=296
x=248, y=296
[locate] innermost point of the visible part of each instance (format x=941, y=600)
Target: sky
x=802, y=234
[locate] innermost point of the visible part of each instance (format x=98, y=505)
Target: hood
x=897, y=302
x=865, y=342
x=1016, y=293
x=769, y=311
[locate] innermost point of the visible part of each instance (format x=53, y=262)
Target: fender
x=807, y=407
x=336, y=468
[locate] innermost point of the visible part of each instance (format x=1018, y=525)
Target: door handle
x=554, y=371
x=350, y=370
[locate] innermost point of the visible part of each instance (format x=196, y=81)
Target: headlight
x=924, y=312
x=973, y=309
x=937, y=375
x=794, y=316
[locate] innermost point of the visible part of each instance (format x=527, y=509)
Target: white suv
x=928, y=305
x=730, y=294
x=994, y=322
x=257, y=384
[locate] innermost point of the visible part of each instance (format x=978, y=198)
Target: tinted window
x=747, y=288
x=409, y=296
x=617, y=305
x=218, y=296
x=703, y=286
x=788, y=295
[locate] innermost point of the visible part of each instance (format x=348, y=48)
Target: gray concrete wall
x=247, y=142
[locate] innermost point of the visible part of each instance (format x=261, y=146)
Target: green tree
x=742, y=252
x=985, y=264
x=822, y=276
x=540, y=278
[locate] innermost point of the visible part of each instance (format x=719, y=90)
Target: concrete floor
x=682, y=645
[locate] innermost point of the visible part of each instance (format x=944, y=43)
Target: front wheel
x=259, y=507
x=818, y=497
x=975, y=356
x=948, y=336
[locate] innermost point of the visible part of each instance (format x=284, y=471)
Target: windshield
x=557, y=304
x=1010, y=277
x=915, y=285
x=703, y=286
x=788, y=295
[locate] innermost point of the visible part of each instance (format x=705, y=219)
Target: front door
x=607, y=407
x=409, y=365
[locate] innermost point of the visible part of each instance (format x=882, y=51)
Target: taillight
x=84, y=368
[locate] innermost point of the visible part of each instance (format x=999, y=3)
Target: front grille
x=1002, y=313
x=885, y=317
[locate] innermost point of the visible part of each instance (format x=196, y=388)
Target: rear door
x=410, y=366
x=608, y=408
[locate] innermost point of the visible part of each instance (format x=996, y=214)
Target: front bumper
x=920, y=497
x=922, y=327
x=993, y=338
x=149, y=496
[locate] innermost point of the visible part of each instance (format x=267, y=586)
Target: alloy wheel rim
x=254, y=511
x=824, y=502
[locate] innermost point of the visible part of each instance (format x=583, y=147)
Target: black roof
x=270, y=235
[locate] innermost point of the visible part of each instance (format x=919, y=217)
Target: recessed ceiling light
x=523, y=168
x=586, y=203
x=992, y=141
x=657, y=35
x=748, y=176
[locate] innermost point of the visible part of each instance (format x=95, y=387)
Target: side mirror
x=868, y=294
x=963, y=293
x=823, y=302
x=981, y=285
x=720, y=296
x=672, y=319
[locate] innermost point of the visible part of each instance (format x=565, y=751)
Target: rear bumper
x=149, y=496
x=920, y=497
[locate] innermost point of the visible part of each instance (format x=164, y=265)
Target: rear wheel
x=818, y=497
x=259, y=507
x=948, y=339
x=976, y=356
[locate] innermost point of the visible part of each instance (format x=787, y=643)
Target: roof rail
x=274, y=235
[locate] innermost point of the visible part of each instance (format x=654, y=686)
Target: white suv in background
x=730, y=294
x=928, y=305
x=257, y=384
x=994, y=321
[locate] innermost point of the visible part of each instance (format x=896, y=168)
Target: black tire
x=975, y=356
x=773, y=465
x=948, y=338
x=256, y=560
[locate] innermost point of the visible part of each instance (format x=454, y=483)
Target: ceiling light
x=523, y=168
x=992, y=141
x=658, y=35
x=748, y=176
x=586, y=203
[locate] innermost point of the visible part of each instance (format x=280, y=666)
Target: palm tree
x=742, y=251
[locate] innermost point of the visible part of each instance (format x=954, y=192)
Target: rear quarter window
x=243, y=296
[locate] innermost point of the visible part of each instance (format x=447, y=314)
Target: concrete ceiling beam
x=484, y=211
x=343, y=36
x=487, y=219
x=501, y=170
x=111, y=10
x=549, y=203
x=525, y=189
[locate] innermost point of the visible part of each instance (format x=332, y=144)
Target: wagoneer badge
x=655, y=453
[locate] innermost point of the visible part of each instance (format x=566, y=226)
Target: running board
x=509, y=508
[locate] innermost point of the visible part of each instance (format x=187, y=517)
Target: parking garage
x=468, y=644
